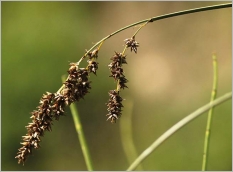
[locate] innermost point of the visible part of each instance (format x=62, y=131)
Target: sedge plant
x=77, y=85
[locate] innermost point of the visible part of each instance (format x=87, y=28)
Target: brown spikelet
x=52, y=106
x=114, y=103
x=114, y=106
x=41, y=121
x=130, y=42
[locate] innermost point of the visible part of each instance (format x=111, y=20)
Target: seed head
x=114, y=106
x=41, y=121
x=130, y=42
x=76, y=85
x=51, y=106
x=93, y=54
x=92, y=66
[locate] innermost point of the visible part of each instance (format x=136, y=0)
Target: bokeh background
x=169, y=77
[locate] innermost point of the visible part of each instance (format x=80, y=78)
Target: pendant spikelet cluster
x=130, y=42
x=52, y=105
x=114, y=106
x=41, y=121
x=114, y=103
x=75, y=87
x=116, y=69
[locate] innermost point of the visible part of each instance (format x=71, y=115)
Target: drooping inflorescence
x=130, y=42
x=75, y=87
x=52, y=105
x=114, y=103
x=114, y=106
x=41, y=121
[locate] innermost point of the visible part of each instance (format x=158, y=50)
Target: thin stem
x=209, y=118
x=176, y=127
x=207, y=8
x=100, y=45
x=140, y=28
x=61, y=87
x=83, y=57
x=123, y=52
x=126, y=134
x=81, y=136
x=118, y=86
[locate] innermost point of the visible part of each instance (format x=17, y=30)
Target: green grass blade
x=81, y=136
x=127, y=134
x=176, y=127
x=210, y=113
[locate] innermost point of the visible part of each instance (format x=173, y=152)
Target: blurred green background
x=169, y=77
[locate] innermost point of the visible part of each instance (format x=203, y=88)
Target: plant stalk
x=176, y=127
x=126, y=132
x=209, y=118
x=195, y=10
x=81, y=136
